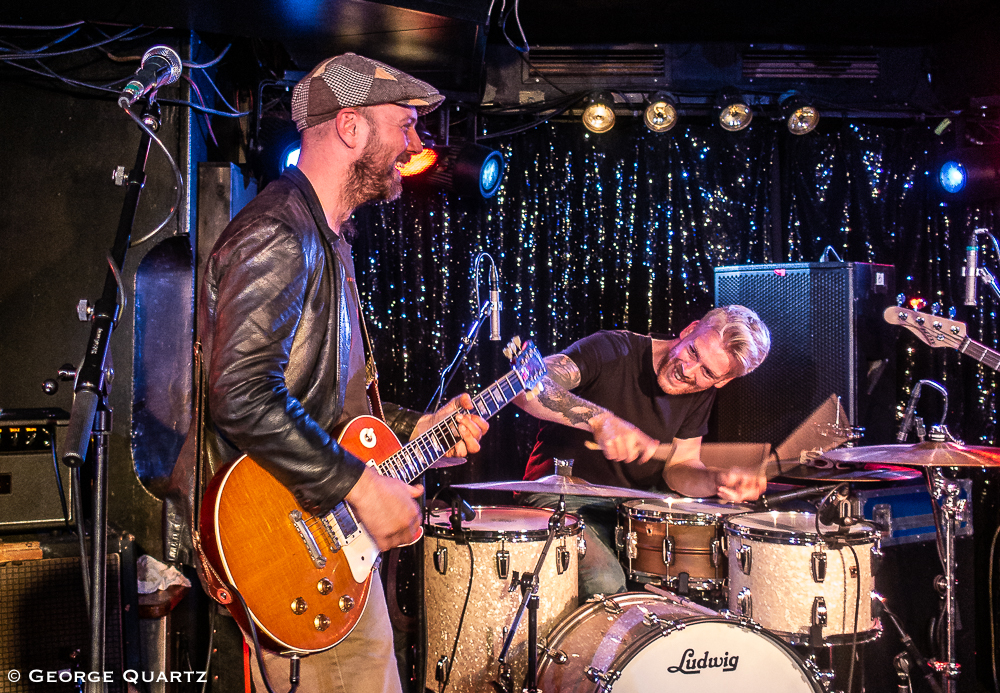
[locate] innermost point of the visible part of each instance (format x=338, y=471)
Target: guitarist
x=282, y=335
x=611, y=399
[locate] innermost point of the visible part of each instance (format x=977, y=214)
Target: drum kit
x=738, y=596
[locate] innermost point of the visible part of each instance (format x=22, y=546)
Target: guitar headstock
x=526, y=362
x=933, y=330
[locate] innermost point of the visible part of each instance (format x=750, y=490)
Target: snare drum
x=504, y=542
x=787, y=578
x=660, y=539
x=643, y=643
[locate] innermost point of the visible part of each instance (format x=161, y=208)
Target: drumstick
x=664, y=451
x=677, y=599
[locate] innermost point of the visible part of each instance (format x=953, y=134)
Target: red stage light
x=419, y=163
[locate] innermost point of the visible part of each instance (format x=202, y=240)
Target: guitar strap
x=371, y=371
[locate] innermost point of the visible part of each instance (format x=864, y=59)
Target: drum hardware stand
x=942, y=487
x=528, y=582
x=911, y=655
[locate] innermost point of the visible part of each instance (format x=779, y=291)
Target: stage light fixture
x=419, y=163
x=598, y=114
x=800, y=115
x=468, y=169
x=734, y=112
x=290, y=156
x=661, y=112
x=970, y=174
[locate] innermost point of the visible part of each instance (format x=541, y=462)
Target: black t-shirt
x=616, y=372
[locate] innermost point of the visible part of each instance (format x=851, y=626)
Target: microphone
x=160, y=66
x=494, y=305
x=904, y=429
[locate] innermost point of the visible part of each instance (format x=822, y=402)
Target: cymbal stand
x=947, y=491
x=528, y=583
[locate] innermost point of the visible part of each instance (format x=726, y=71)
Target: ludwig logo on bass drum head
x=691, y=664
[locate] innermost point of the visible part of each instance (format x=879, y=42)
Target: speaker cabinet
x=827, y=337
x=45, y=624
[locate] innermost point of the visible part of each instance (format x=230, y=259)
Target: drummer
x=631, y=410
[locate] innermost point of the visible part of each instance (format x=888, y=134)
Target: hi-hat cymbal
x=927, y=454
x=562, y=485
x=853, y=473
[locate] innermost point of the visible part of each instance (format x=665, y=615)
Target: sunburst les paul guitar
x=305, y=578
x=936, y=331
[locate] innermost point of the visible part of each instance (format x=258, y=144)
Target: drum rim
x=626, y=600
x=629, y=509
x=514, y=536
x=870, y=532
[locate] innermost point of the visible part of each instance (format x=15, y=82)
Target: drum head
x=685, y=506
x=512, y=523
x=712, y=656
x=793, y=527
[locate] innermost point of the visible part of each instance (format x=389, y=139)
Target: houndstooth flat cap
x=351, y=80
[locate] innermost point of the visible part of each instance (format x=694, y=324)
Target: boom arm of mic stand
x=464, y=346
x=990, y=281
x=911, y=647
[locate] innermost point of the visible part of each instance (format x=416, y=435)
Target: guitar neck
x=419, y=454
x=981, y=353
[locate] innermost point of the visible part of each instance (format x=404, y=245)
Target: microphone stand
x=464, y=347
x=90, y=412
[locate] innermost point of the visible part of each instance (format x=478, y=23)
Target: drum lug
x=605, y=680
x=819, y=566
x=744, y=600
x=557, y=656
x=503, y=563
x=562, y=560
x=877, y=555
x=666, y=627
x=441, y=559
x=745, y=556
x=581, y=545
x=819, y=612
x=632, y=545
x=619, y=537
x=668, y=550
x=716, y=553
x=441, y=669
x=612, y=607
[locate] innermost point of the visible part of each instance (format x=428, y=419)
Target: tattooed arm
x=617, y=438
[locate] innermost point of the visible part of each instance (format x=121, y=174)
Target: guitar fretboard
x=981, y=353
x=418, y=455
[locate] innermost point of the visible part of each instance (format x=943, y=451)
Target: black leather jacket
x=275, y=329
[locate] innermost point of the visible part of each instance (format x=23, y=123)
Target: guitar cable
x=293, y=665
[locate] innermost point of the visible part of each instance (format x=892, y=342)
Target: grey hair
x=744, y=335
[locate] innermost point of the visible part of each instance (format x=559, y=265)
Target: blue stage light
x=952, y=177
x=290, y=156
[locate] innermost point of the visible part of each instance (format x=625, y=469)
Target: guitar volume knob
x=299, y=606
x=324, y=586
x=321, y=622
x=346, y=603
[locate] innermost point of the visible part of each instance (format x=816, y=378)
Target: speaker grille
x=45, y=624
x=812, y=310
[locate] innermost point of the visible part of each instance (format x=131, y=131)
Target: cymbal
x=448, y=462
x=562, y=485
x=853, y=473
x=927, y=454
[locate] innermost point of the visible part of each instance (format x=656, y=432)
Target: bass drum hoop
x=511, y=535
x=622, y=659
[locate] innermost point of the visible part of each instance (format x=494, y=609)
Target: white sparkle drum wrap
x=521, y=531
x=643, y=643
x=781, y=586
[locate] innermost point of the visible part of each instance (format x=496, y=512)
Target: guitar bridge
x=318, y=559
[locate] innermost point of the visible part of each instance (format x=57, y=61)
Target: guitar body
x=254, y=539
x=305, y=578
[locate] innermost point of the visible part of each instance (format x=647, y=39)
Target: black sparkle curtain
x=623, y=230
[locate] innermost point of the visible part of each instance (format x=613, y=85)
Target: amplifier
x=33, y=484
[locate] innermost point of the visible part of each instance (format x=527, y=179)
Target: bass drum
x=642, y=643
